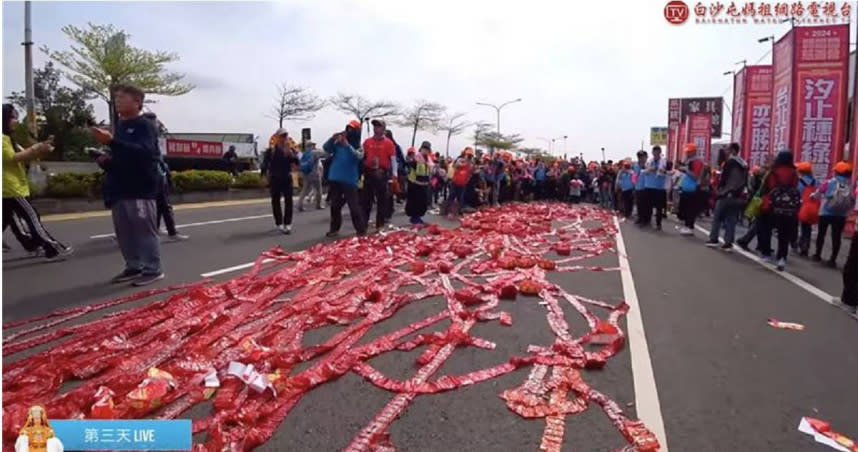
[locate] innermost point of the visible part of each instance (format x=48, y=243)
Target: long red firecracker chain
x=260, y=319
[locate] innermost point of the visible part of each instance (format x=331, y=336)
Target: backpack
x=785, y=200
x=841, y=200
x=308, y=162
x=809, y=212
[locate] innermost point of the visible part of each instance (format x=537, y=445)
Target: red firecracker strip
x=197, y=343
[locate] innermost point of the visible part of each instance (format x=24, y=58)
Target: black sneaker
x=126, y=275
x=144, y=280
x=727, y=247
x=831, y=263
x=711, y=244
x=332, y=234
x=743, y=245
x=816, y=258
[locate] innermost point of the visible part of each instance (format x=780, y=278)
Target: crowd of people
x=784, y=197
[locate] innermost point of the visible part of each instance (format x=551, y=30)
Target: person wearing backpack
x=729, y=199
x=343, y=177
x=837, y=201
x=779, y=209
x=312, y=175
x=808, y=214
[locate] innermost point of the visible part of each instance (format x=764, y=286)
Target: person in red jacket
x=379, y=167
x=779, y=209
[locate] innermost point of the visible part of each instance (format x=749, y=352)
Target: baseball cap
x=281, y=131
x=378, y=122
x=354, y=124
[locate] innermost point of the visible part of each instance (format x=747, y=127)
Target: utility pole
x=603, y=155
x=29, y=88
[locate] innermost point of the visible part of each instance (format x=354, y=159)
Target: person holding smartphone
x=16, y=189
x=132, y=182
x=343, y=177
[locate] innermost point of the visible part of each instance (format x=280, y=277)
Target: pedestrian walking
x=781, y=201
x=690, y=197
x=16, y=192
x=808, y=214
x=640, y=188
x=754, y=186
x=837, y=201
x=655, y=176
x=165, y=208
x=311, y=172
x=379, y=167
x=730, y=198
x=343, y=175
x=849, y=297
x=230, y=159
x=132, y=182
x=419, y=168
x=276, y=166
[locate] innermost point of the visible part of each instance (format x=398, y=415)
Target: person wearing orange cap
x=379, y=168
x=837, y=202
x=690, y=196
x=808, y=214
x=344, y=172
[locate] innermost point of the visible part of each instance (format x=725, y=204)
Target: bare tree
x=295, y=103
x=424, y=115
x=362, y=108
x=453, y=125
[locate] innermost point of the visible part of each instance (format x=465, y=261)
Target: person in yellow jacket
x=16, y=189
x=419, y=173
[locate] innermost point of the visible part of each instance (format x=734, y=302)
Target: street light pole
x=603, y=155
x=498, y=110
x=564, y=144
x=29, y=88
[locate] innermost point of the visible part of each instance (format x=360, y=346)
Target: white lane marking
x=201, y=223
x=822, y=295
x=232, y=269
x=646, y=395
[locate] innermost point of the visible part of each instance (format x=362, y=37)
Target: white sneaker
x=177, y=238
x=781, y=264
x=287, y=229
x=685, y=231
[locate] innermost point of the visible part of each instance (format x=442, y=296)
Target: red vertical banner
x=820, y=104
x=673, y=120
x=782, y=88
x=700, y=133
x=758, y=115
x=737, y=131
x=681, y=139
x=672, y=145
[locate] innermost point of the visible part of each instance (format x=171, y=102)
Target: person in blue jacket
x=626, y=187
x=836, y=203
x=343, y=178
x=640, y=193
x=655, y=179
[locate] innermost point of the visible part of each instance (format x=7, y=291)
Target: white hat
x=281, y=131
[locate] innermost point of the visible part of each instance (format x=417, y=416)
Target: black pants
x=165, y=210
x=656, y=199
x=837, y=224
x=375, y=191
x=39, y=236
x=628, y=202
x=281, y=189
x=786, y=226
x=642, y=203
x=850, y=274
x=689, y=207
x=345, y=194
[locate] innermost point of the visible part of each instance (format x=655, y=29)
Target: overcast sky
x=599, y=72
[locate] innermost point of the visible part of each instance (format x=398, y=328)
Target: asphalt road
x=725, y=379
